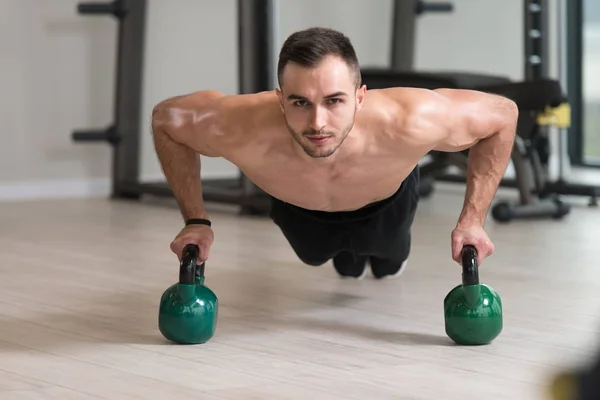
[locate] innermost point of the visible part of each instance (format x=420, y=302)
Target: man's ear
x=360, y=97
x=280, y=97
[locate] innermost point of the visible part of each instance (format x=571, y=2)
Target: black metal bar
x=402, y=50
x=255, y=48
x=116, y=8
x=433, y=6
x=109, y=135
x=128, y=99
x=563, y=187
x=124, y=133
x=536, y=39
x=255, y=52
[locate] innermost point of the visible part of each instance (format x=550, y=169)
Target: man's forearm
x=487, y=163
x=181, y=166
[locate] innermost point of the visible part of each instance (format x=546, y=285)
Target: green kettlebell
x=472, y=310
x=188, y=310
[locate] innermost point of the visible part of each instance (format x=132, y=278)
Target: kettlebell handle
x=188, y=268
x=470, y=275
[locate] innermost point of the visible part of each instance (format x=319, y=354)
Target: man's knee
x=312, y=248
x=395, y=247
x=313, y=261
x=310, y=256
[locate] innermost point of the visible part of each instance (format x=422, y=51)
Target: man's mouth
x=318, y=139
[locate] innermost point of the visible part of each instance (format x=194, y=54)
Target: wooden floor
x=81, y=280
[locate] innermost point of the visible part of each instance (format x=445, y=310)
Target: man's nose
x=318, y=119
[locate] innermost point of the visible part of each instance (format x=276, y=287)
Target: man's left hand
x=473, y=235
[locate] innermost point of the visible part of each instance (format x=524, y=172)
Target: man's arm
x=184, y=127
x=486, y=124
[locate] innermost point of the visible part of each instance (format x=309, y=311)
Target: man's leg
x=394, y=263
x=310, y=242
x=315, y=242
x=386, y=238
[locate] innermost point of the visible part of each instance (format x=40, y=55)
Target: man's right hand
x=200, y=235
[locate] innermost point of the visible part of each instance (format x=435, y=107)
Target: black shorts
x=380, y=229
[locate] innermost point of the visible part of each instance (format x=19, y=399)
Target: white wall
x=58, y=71
x=483, y=36
x=56, y=75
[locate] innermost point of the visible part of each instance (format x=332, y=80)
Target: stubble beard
x=317, y=152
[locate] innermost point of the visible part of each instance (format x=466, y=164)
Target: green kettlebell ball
x=472, y=310
x=188, y=314
x=473, y=314
x=188, y=310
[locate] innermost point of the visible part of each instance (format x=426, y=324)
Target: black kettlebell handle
x=188, y=268
x=470, y=275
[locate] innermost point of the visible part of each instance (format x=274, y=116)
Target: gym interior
x=87, y=216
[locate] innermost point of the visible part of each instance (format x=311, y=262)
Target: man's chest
x=344, y=186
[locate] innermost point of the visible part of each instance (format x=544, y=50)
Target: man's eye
x=334, y=101
x=301, y=103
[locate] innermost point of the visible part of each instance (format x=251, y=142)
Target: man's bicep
x=473, y=116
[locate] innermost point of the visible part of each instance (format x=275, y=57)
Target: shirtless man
x=338, y=160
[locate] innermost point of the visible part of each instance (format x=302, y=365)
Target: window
x=590, y=81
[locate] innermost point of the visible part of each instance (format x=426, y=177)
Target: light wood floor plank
x=16, y=382
x=50, y=393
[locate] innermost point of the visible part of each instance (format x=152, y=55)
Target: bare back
x=369, y=166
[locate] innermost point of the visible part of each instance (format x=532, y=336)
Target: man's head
x=320, y=88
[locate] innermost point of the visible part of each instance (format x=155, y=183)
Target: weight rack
x=256, y=67
x=535, y=34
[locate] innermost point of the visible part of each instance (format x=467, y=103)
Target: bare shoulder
x=448, y=119
x=212, y=122
x=474, y=116
x=408, y=114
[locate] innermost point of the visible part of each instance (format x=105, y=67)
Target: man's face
x=320, y=104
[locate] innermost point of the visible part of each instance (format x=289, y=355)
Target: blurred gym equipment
x=255, y=36
x=541, y=101
x=582, y=383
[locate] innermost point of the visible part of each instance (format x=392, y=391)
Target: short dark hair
x=309, y=46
